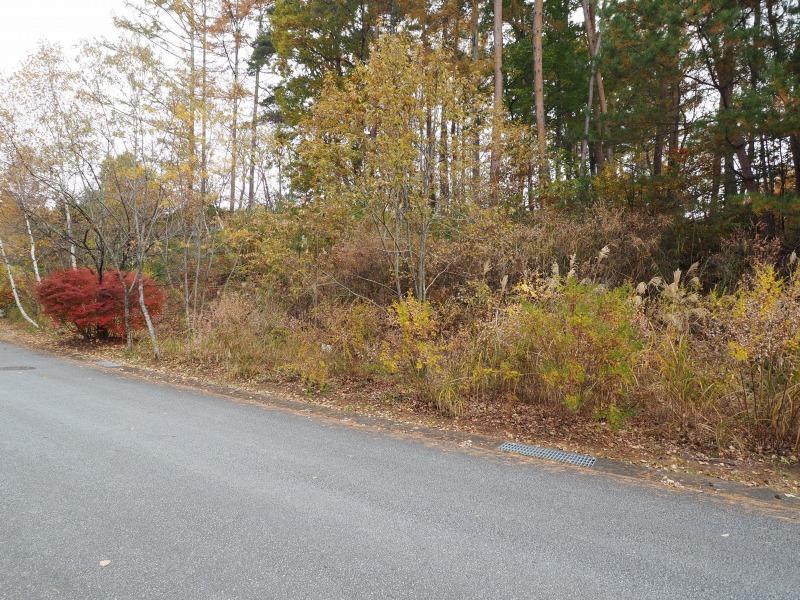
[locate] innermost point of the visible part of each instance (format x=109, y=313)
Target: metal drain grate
x=580, y=460
x=108, y=364
x=17, y=368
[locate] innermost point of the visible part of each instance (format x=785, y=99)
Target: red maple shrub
x=95, y=308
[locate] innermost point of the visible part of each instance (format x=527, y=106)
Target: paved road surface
x=193, y=496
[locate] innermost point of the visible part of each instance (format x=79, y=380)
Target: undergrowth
x=721, y=368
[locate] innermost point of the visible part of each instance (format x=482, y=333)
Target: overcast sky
x=23, y=23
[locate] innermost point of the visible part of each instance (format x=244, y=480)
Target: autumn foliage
x=94, y=307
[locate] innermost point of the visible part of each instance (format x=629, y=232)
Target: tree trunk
x=766, y=171
x=794, y=141
x=780, y=56
x=734, y=138
x=34, y=260
x=538, y=90
x=234, y=124
x=187, y=305
x=151, y=330
x=204, y=107
x=586, y=120
x=280, y=180
x=396, y=242
x=716, y=176
x=476, y=136
x=675, y=113
x=192, y=141
x=444, y=161
x=267, y=194
x=126, y=309
x=593, y=39
x=740, y=147
x=730, y=176
x=73, y=263
x=13, y=285
x=251, y=190
x=658, y=150
x=494, y=168
x=430, y=158
x=422, y=278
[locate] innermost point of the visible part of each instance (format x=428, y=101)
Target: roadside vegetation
x=373, y=209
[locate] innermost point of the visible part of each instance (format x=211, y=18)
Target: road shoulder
x=771, y=499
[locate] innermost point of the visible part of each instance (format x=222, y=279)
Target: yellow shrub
x=575, y=345
x=418, y=351
x=761, y=324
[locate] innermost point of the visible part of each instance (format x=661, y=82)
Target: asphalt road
x=194, y=496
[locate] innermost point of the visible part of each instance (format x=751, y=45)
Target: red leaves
x=96, y=308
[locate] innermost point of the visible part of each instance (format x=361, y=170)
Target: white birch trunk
x=151, y=330
x=68, y=215
x=14, y=287
x=34, y=260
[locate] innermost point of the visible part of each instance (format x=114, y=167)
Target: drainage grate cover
x=17, y=368
x=108, y=364
x=580, y=460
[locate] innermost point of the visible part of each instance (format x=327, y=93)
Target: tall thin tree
x=538, y=91
x=494, y=168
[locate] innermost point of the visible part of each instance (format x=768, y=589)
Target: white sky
x=23, y=23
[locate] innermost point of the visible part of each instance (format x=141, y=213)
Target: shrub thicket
x=717, y=367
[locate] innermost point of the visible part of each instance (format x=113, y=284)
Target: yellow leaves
x=767, y=287
x=737, y=352
x=366, y=136
x=183, y=112
x=508, y=373
x=419, y=347
x=572, y=402
x=538, y=289
x=415, y=318
x=523, y=288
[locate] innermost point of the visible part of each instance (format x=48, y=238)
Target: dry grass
x=719, y=369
